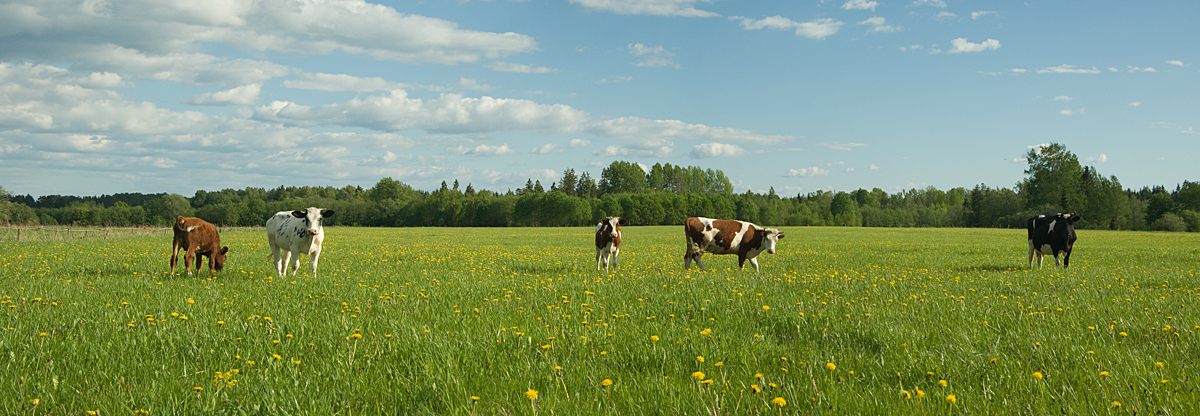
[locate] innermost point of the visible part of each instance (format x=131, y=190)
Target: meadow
x=517, y=321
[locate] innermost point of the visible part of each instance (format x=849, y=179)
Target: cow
x=706, y=235
x=1051, y=235
x=197, y=237
x=608, y=241
x=292, y=233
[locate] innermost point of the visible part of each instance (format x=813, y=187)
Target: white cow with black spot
x=292, y=233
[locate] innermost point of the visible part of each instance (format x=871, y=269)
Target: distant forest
x=1054, y=182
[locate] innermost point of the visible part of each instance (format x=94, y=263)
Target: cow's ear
x=327, y=213
x=622, y=221
x=299, y=214
x=780, y=236
x=1075, y=217
x=224, y=250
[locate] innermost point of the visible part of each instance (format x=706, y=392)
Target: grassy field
x=519, y=322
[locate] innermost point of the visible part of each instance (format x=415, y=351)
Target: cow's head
x=770, y=236
x=312, y=218
x=1064, y=228
x=218, y=258
x=610, y=226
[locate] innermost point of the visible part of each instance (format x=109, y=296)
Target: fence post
x=18, y=235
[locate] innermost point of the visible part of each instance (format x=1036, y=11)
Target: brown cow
x=706, y=235
x=198, y=238
x=608, y=241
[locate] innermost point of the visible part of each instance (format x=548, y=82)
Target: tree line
x=665, y=195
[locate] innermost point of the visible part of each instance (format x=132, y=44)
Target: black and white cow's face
x=312, y=218
x=609, y=226
x=771, y=236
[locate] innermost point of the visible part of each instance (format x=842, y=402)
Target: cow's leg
x=1031, y=250
x=598, y=263
x=616, y=252
x=1055, y=259
x=174, y=255
x=1040, y=257
x=698, y=263
x=754, y=261
x=316, y=254
x=294, y=263
x=187, y=259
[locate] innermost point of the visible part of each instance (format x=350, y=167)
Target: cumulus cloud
x=808, y=172
x=841, y=146
x=1018, y=70
x=1066, y=112
x=341, y=82
x=102, y=80
x=944, y=15
x=979, y=14
x=814, y=29
x=1063, y=98
x=874, y=167
x=242, y=95
x=1135, y=104
x=471, y=84
x=860, y=5
x=547, y=148
x=519, y=68
x=614, y=150
x=684, y=8
x=158, y=39
x=579, y=142
x=961, y=45
x=1176, y=63
x=1068, y=69
x=879, y=25
x=482, y=150
x=636, y=128
x=652, y=56
x=935, y=3
x=1097, y=159
x=1137, y=69
x=709, y=150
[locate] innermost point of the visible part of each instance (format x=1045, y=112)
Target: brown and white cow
x=608, y=241
x=198, y=238
x=706, y=235
x=292, y=233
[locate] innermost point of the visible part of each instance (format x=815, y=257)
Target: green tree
x=1158, y=205
x=1053, y=180
x=622, y=177
x=568, y=182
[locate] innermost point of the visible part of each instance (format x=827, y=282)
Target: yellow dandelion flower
x=277, y=356
x=779, y=401
x=1116, y=403
x=1123, y=334
x=719, y=363
x=296, y=362
x=1159, y=364
x=558, y=367
x=251, y=362
x=35, y=401
x=474, y=398
x=699, y=358
x=766, y=308
x=1163, y=381
x=920, y=394
x=709, y=381
x=1103, y=374
x=830, y=366
x=698, y=375
x=758, y=375
x=191, y=301
x=198, y=388
x=606, y=382
x=756, y=388
x=905, y=394
x=220, y=322
x=706, y=331
x=1037, y=375
x=531, y=394
x=943, y=383
x=654, y=337
x=951, y=399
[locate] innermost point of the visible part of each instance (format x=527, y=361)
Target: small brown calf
x=198, y=238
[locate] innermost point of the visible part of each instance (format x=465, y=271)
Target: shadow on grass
x=987, y=268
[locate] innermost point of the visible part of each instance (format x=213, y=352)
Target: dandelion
x=706, y=331
x=766, y=308
x=920, y=394
x=654, y=337
x=756, y=388
x=1159, y=364
x=1103, y=374
x=277, y=356
x=1116, y=403
x=296, y=362
x=606, y=382
x=709, y=381
x=1123, y=334
x=830, y=366
x=943, y=383
x=558, y=367
x=35, y=401
x=699, y=358
x=1037, y=375
x=779, y=401
x=951, y=399
x=531, y=394
x=905, y=394
x=698, y=375
x=1163, y=381
x=474, y=399
x=758, y=375
x=719, y=363
x=198, y=388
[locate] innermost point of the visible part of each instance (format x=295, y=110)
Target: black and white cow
x=292, y=233
x=1051, y=235
x=706, y=235
x=608, y=241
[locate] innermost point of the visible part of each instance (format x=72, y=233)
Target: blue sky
x=99, y=97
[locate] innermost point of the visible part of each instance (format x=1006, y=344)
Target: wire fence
x=21, y=234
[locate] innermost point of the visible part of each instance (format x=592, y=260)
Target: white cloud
x=961, y=45
x=874, y=167
x=547, y=148
x=482, y=150
x=341, y=82
x=1160, y=125
x=709, y=150
x=1176, y=63
x=1137, y=69
x=471, y=84
x=1068, y=69
x=1188, y=131
x=1063, y=98
x=1111, y=69
x=1135, y=104
x=652, y=56
x=615, y=80
x=860, y=5
x=814, y=29
x=614, y=150
x=1098, y=159
x=944, y=15
x=1018, y=70
x=242, y=95
x=640, y=129
x=913, y=47
x=977, y=15
x=808, y=172
x=841, y=146
x=935, y=3
x=848, y=170
x=102, y=80
x=579, y=142
x=682, y=8
x=1066, y=112
x=879, y=24
x=519, y=68
x=1019, y=160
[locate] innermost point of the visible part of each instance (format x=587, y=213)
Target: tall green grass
x=470, y=321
